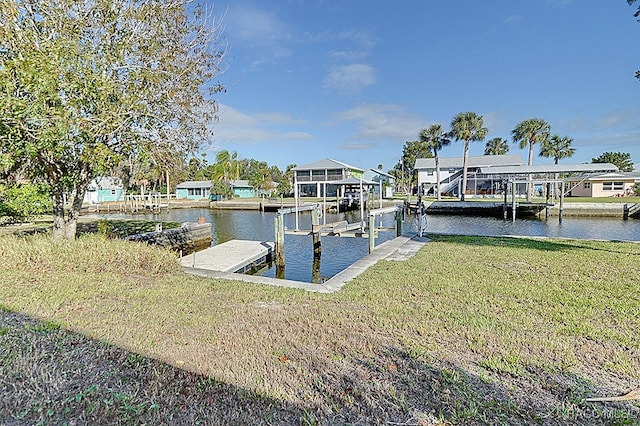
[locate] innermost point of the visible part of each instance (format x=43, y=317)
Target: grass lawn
x=470, y=331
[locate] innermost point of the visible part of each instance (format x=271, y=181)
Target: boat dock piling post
x=317, y=245
x=561, y=201
x=279, y=240
x=399, y=215
x=514, y=186
x=372, y=233
x=504, y=206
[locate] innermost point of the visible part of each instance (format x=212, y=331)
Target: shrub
x=22, y=202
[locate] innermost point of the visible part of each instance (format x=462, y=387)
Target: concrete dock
x=232, y=256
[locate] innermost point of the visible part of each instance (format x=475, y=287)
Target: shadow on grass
x=396, y=387
x=531, y=243
x=49, y=375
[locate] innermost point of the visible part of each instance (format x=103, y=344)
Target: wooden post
x=561, y=201
x=279, y=241
x=399, y=222
x=504, y=206
x=514, y=186
x=317, y=245
x=372, y=233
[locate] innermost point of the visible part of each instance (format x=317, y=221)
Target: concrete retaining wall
x=187, y=238
x=568, y=209
x=588, y=209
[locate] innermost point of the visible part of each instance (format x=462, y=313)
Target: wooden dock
x=232, y=256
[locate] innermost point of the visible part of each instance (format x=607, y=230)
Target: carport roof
x=549, y=168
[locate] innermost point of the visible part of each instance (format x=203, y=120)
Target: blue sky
x=353, y=80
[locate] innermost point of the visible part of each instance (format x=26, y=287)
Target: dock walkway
x=398, y=249
x=232, y=256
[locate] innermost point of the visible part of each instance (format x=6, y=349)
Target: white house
x=451, y=173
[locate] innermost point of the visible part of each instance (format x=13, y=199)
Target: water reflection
x=340, y=252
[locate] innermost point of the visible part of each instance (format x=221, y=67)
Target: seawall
x=482, y=208
x=189, y=237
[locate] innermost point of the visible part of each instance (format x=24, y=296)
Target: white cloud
x=382, y=122
x=237, y=127
x=350, y=79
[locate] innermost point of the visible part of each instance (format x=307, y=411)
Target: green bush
x=22, y=202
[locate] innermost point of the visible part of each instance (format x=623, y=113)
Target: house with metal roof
x=451, y=173
x=201, y=189
x=324, y=178
x=193, y=190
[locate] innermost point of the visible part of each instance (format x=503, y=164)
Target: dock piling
x=317, y=245
x=372, y=233
x=279, y=241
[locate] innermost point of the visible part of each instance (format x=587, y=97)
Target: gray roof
x=105, y=182
x=327, y=163
x=473, y=161
x=380, y=172
x=241, y=183
x=551, y=168
x=353, y=181
x=609, y=176
x=194, y=184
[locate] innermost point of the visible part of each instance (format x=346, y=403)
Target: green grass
x=470, y=330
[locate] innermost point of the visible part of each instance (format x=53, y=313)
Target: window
x=429, y=172
x=452, y=171
x=612, y=186
x=194, y=191
x=587, y=185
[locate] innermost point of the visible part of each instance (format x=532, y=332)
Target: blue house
x=104, y=189
x=201, y=189
x=242, y=189
x=193, y=190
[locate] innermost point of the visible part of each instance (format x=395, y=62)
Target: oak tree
x=87, y=84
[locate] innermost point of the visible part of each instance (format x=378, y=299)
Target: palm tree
x=557, y=147
x=496, y=146
x=435, y=139
x=529, y=132
x=467, y=126
x=227, y=167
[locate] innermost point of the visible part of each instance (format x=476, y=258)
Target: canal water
x=340, y=252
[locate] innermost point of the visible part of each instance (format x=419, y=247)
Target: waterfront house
x=388, y=182
x=617, y=184
x=104, y=189
x=242, y=189
x=193, y=190
x=451, y=173
x=324, y=177
x=201, y=189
